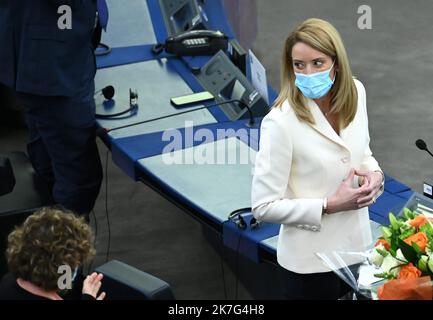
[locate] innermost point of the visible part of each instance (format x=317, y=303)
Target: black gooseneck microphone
x=420, y=143
x=251, y=123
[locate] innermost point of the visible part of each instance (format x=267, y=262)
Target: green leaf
x=385, y=275
x=406, y=234
x=394, y=223
x=408, y=251
x=387, y=233
x=408, y=213
x=394, y=244
x=399, y=265
x=417, y=248
x=383, y=253
x=427, y=229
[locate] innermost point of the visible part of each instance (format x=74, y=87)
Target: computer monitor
x=181, y=15
x=238, y=55
x=227, y=83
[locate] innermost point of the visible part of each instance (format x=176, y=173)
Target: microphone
x=251, y=123
x=420, y=143
x=428, y=184
x=107, y=92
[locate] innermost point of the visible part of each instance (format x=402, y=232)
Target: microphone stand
x=251, y=123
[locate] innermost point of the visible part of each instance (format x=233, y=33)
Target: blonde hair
x=48, y=239
x=321, y=36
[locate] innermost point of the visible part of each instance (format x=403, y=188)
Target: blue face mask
x=314, y=85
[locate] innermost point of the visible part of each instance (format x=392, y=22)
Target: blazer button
x=345, y=159
x=314, y=228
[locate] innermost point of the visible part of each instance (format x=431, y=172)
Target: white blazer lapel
x=323, y=126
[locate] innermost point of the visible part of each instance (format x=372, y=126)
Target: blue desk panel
x=156, y=83
x=130, y=24
x=128, y=151
x=214, y=189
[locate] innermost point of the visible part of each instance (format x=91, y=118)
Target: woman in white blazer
x=314, y=172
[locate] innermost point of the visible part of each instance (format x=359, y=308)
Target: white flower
x=375, y=257
x=390, y=265
x=407, y=222
x=399, y=256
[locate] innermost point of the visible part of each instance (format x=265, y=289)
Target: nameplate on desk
x=428, y=189
x=258, y=76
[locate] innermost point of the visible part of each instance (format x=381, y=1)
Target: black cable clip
x=158, y=48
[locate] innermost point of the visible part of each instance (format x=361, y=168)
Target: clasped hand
x=348, y=197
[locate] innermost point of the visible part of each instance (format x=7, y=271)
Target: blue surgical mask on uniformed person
x=315, y=85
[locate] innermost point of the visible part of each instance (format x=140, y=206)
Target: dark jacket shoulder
x=38, y=55
x=10, y=290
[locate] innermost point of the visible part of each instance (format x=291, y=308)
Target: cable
x=222, y=267
x=231, y=217
x=250, y=123
x=114, y=116
x=238, y=212
x=108, y=93
x=106, y=207
x=107, y=50
x=237, y=266
x=94, y=240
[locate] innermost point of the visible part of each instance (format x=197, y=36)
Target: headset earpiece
x=254, y=223
x=108, y=93
x=237, y=218
x=241, y=223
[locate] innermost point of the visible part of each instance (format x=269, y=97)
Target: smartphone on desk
x=191, y=99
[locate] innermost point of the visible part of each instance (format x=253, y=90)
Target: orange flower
x=406, y=289
x=409, y=272
x=384, y=243
x=419, y=221
x=419, y=238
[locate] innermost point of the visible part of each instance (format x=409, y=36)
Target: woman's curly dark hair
x=46, y=240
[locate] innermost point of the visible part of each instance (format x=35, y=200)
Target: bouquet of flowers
x=404, y=256
x=399, y=266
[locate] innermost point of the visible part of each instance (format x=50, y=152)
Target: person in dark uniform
x=51, y=71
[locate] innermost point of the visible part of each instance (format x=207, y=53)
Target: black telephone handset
x=196, y=43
